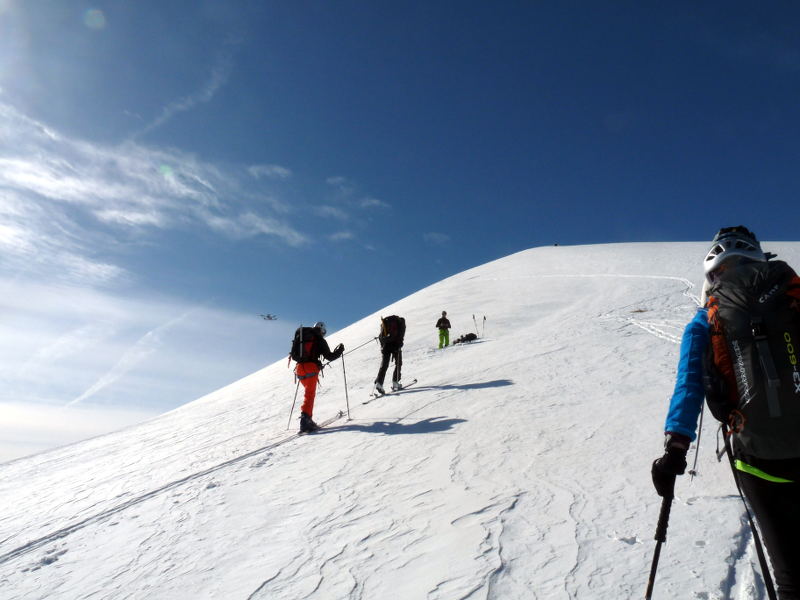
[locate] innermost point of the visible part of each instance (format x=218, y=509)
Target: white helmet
x=732, y=241
x=321, y=326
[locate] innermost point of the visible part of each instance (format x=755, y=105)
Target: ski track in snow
x=502, y=474
x=33, y=545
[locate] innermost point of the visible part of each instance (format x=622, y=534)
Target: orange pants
x=308, y=374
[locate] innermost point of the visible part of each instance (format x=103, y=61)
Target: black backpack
x=468, y=337
x=752, y=375
x=305, y=345
x=393, y=330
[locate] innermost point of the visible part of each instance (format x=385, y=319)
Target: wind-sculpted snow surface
x=518, y=466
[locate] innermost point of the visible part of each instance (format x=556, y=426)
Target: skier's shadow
x=431, y=425
x=464, y=386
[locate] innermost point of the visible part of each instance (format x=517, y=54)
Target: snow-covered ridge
x=518, y=466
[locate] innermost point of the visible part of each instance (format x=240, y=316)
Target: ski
x=375, y=395
x=324, y=424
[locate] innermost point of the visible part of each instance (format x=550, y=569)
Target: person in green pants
x=444, y=330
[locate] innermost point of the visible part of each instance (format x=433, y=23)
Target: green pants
x=444, y=337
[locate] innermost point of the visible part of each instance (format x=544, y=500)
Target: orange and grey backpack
x=752, y=367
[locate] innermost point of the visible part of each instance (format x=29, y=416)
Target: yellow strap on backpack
x=745, y=468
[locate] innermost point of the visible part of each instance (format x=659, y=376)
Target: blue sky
x=170, y=169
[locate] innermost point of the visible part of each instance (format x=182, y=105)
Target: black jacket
x=321, y=348
x=443, y=323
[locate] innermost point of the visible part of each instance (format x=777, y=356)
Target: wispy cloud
x=347, y=192
x=219, y=75
x=149, y=343
x=269, y=172
x=250, y=224
x=71, y=345
x=129, y=217
x=62, y=199
x=332, y=212
x=349, y=205
x=373, y=203
x=38, y=239
x=437, y=239
x=343, y=185
x=78, y=346
x=342, y=236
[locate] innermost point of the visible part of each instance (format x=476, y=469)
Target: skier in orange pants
x=307, y=351
x=308, y=375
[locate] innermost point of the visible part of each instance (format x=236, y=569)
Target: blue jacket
x=687, y=399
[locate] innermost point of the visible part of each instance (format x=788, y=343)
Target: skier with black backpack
x=307, y=347
x=740, y=353
x=391, y=335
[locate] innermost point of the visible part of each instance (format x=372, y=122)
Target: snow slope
x=518, y=466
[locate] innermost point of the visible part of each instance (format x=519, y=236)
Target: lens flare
x=94, y=19
x=166, y=170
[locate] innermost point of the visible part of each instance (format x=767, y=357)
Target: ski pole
x=483, y=333
x=693, y=470
x=293, y=401
x=346, y=398
x=476, y=324
x=661, y=537
x=361, y=346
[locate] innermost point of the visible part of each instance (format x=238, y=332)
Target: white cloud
x=269, y=171
x=66, y=345
x=336, y=180
x=15, y=239
x=71, y=343
x=373, y=203
x=342, y=236
x=437, y=239
x=251, y=224
x=79, y=268
x=130, y=217
x=217, y=78
x=40, y=240
x=332, y=212
x=50, y=184
x=347, y=193
x=343, y=185
x=256, y=224
x=144, y=347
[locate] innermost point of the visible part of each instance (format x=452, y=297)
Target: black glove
x=339, y=350
x=673, y=463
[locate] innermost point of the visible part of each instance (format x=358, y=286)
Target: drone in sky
x=269, y=317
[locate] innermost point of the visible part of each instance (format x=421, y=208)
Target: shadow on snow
x=464, y=386
x=431, y=425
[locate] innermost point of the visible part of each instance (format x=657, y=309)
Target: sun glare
x=92, y=18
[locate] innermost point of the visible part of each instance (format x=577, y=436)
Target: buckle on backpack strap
x=736, y=421
x=757, y=328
